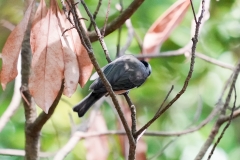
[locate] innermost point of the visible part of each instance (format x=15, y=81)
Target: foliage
x=218, y=39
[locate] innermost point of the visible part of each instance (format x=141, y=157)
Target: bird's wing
x=123, y=82
x=95, y=74
x=112, y=72
x=123, y=74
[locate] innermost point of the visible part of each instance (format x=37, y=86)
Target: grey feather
x=124, y=73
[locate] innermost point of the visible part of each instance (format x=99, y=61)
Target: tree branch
x=18, y=152
x=88, y=47
x=195, y=40
x=221, y=118
x=182, y=51
x=119, y=21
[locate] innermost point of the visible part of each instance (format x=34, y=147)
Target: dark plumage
x=124, y=73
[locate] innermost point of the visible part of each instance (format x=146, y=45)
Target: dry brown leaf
x=40, y=14
x=47, y=63
x=71, y=70
x=85, y=66
x=163, y=26
x=141, y=149
x=12, y=48
x=84, y=62
x=97, y=147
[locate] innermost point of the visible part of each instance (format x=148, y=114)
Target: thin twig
x=129, y=37
x=133, y=113
x=227, y=125
x=194, y=14
x=195, y=40
x=181, y=51
x=101, y=40
x=95, y=13
x=132, y=141
x=119, y=21
x=139, y=41
x=120, y=8
x=198, y=111
x=7, y=24
x=214, y=112
x=163, y=149
x=221, y=119
x=79, y=135
x=106, y=18
x=119, y=41
x=214, y=61
x=165, y=100
x=98, y=69
x=18, y=152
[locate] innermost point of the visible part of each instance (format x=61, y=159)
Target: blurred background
x=219, y=39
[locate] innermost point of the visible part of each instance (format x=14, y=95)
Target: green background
x=218, y=39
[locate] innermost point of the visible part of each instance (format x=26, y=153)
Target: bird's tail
x=86, y=103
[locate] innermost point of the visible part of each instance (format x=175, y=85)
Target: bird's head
x=148, y=67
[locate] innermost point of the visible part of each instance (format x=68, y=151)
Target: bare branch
x=220, y=121
x=195, y=40
x=95, y=64
x=129, y=37
x=15, y=102
x=227, y=125
x=31, y=142
x=165, y=99
x=182, y=51
x=194, y=14
x=79, y=135
x=100, y=37
x=18, y=152
x=95, y=13
x=106, y=18
x=116, y=23
x=120, y=8
x=133, y=113
x=7, y=24
x=214, y=61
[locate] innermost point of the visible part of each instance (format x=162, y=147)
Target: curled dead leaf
x=84, y=62
x=71, y=68
x=163, y=26
x=47, y=63
x=12, y=47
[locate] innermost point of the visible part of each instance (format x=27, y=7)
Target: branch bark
x=33, y=123
x=194, y=45
x=87, y=44
x=222, y=118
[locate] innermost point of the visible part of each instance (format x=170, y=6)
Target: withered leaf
x=71, y=70
x=163, y=26
x=12, y=49
x=47, y=63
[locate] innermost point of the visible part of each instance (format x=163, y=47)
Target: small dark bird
x=124, y=73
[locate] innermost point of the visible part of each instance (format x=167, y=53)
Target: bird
x=124, y=73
